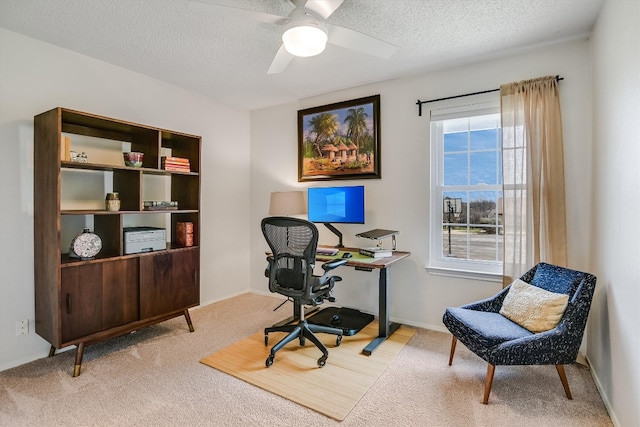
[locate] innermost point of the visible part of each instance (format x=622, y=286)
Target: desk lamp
x=287, y=203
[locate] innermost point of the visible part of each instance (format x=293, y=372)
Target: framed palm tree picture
x=340, y=141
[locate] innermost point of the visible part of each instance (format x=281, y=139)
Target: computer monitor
x=337, y=205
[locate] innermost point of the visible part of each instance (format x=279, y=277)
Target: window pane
x=457, y=141
x=484, y=139
x=483, y=168
x=454, y=207
x=483, y=208
x=454, y=242
x=455, y=169
x=484, y=244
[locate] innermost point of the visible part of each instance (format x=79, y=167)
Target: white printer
x=144, y=239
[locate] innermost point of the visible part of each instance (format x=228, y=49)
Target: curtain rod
x=419, y=103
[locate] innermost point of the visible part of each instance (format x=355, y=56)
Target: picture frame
x=340, y=141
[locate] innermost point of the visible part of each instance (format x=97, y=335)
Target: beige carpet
x=154, y=378
x=332, y=390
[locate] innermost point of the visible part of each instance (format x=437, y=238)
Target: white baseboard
x=603, y=394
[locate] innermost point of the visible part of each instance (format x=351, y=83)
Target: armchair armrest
x=491, y=304
x=553, y=347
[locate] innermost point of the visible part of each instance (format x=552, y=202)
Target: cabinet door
x=120, y=292
x=96, y=297
x=169, y=282
x=81, y=301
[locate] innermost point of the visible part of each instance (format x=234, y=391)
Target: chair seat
x=485, y=329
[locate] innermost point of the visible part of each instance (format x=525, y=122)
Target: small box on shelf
x=184, y=234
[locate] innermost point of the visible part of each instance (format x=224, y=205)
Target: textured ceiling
x=227, y=58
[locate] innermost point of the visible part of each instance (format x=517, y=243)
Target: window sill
x=465, y=274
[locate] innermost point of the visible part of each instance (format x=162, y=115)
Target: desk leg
x=385, y=327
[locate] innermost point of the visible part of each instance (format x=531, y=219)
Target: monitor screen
x=336, y=204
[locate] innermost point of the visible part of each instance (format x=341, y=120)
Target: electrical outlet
x=22, y=327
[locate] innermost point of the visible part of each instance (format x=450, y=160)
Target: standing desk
x=385, y=327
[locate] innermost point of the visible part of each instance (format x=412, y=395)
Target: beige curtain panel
x=533, y=176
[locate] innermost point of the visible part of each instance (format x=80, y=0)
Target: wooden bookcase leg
x=79, y=354
x=52, y=351
x=188, y=318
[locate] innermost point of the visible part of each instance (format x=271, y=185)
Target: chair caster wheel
x=269, y=361
x=303, y=341
x=322, y=361
x=338, y=340
x=266, y=340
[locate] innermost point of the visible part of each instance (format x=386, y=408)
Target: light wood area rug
x=333, y=390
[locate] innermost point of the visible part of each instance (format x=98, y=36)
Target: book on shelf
x=161, y=208
x=151, y=205
x=176, y=168
x=180, y=160
x=376, y=252
x=179, y=164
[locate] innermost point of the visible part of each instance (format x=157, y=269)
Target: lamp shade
x=287, y=203
x=304, y=35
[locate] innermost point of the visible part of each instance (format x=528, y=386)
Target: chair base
x=302, y=331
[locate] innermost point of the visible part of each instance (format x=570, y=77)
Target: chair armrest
x=327, y=266
x=267, y=269
x=552, y=347
x=491, y=304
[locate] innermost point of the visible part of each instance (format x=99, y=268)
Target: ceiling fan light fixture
x=305, y=36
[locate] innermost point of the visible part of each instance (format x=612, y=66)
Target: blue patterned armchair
x=499, y=341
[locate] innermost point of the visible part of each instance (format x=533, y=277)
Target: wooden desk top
x=363, y=261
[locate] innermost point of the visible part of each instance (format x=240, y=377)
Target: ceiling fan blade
x=228, y=11
x=323, y=8
x=355, y=40
x=280, y=61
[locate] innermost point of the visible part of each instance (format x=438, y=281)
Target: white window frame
x=439, y=264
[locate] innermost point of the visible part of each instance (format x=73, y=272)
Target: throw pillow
x=533, y=308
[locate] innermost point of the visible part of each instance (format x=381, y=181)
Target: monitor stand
x=336, y=232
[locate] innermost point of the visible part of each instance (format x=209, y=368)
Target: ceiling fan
x=305, y=30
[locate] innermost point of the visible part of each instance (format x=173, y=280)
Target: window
x=466, y=190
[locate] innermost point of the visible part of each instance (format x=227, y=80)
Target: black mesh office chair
x=293, y=245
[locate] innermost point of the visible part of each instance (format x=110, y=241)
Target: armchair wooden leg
x=487, y=382
x=453, y=349
x=563, y=378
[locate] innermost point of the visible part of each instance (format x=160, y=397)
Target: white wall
x=400, y=199
x=35, y=77
x=614, y=324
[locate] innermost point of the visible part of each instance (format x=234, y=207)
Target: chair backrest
x=556, y=279
x=580, y=287
x=293, y=243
